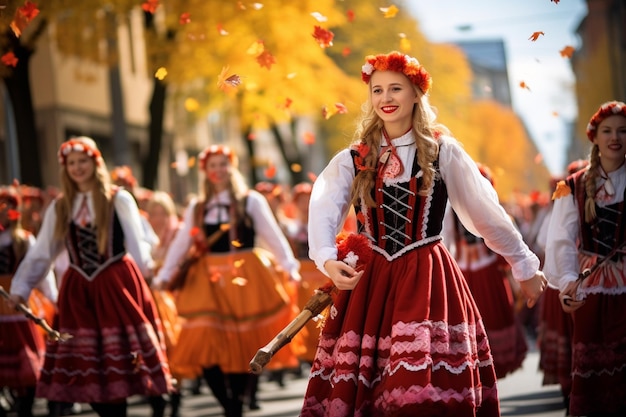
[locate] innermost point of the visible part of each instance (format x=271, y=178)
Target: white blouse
x=41, y=257
x=265, y=227
x=561, y=265
x=470, y=194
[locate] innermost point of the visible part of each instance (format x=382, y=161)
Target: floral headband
x=215, y=150
x=395, y=61
x=610, y=108
x=124, y=174
x=77, y=145
x=10, y=195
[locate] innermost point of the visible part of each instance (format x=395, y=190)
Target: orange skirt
x=233, y=304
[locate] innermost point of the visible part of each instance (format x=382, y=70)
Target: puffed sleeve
x=267, y=228
x=135, y=240
x=37, y=263
x=561, y=264
x=178, y=248
x=328, y=207
x=476, y=203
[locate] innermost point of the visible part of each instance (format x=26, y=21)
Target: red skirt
x=22, y=347
x=407, y=341
x=493, y=295
x=117, y=348
x=555, y=341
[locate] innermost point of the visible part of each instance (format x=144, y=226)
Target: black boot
x=175, y=401
x=157, y=404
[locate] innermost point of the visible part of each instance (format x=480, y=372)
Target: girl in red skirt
x=587, y=231
x=22, y=344
x=117, y=348
x=404, y=336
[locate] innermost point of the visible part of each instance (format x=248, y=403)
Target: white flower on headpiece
x=367, y=68
x=590, y=127
x=411, y=60
x=617, y=109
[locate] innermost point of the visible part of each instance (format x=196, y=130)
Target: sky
x=538, y=64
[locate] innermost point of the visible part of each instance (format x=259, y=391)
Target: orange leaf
x=350, y=15
x=524, y=85
x=227, y=83
x=562, y=190
x=288, y=102
x=535, y=36
x=23, y=16
x=221, y=30
x=323, y=37
x=266, y=60
x=194, y=231
x=9, y=59
x=225, y=227
x=150, y=6
x=184, y=18
x=270, y=171
x=567, y=51
x=13, y=215
x=389, y=12
x=308, y=138
x=236, y=243
x=346, y=51
x=296, y=167
x=238, y=263
x=555, y=1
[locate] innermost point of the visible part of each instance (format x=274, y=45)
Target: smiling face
x=81, y=169
x=393, y=98
x=611, y=140
x=217, y=171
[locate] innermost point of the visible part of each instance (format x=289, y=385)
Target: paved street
x=521, y=395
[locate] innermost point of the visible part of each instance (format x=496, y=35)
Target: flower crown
x=395, y=61
x=610, y=108
x=214, y=150
x=77, y=145
x=10, y=195
x=124, y=174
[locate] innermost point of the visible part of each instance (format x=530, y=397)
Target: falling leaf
x=308, y=138
x=191, y=104
x=312, y=176
x=535, y=36
x=227, y=83
x=241, y=6
x=346, y=51
x=23, y=16
x=9, y=59
x=13, y=215
x=236, y=244
x=160, y=73
x=562, y=190
x=567, y=52
x=287, y=103
x=389, y=12
x=296, y=167
x=240, y=281
x=555, y=114
x=350, y=15
x=555, y=1
x=184, y=18
x=221, y=31
x=194, y=231
x=523, y=84
x=266, y=60
x=225, y=227
x=323, y=37
x=150, y=6
x=215, y=277
x=270, y=172
x=238, y=263
x=252, y=136
x=256, y=48
x=319, y=17
x=337, y=108
x=538, y=159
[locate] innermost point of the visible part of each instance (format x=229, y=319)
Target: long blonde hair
x=425, y=129
x=102, y=198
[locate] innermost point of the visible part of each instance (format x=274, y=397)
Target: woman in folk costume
x=487, y=276
x=230, y=295
x=22, y=343
x=587, y=232
x=404, y=336
x=117, y=348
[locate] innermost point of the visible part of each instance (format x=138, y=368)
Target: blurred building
x=599, y=64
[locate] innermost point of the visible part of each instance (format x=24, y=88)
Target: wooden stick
x=52, y=334
x=316, y=304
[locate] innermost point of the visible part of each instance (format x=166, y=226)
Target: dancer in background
x=404, y=335
x=230, y=294
x=117, y=348
x=587, y=231
x=487, y=276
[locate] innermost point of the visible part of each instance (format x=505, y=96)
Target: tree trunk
x=155, y=134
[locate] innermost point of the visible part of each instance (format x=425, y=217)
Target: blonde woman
x=117, y=348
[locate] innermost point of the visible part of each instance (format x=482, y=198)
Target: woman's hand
x=532, y=288
x=343, y=276
x=14, y=300
x=568, y=298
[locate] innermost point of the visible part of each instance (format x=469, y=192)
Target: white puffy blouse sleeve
x=476, y=203
x=35, y=269
x=267, y=228
x=136, y=242
x=561, y=265
x=328, y=207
